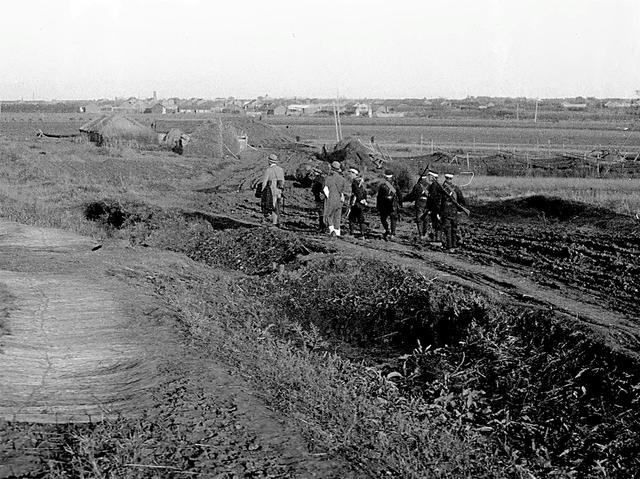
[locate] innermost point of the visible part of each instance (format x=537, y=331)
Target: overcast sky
x=83, y=49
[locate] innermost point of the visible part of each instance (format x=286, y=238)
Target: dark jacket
x=419, y=194
x=450, y=192
x=433, y=196
x=358, y=191
x=387, y=199
x=316, y=187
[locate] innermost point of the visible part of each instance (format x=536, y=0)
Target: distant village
x=263, y=106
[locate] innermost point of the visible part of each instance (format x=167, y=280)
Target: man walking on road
x=335, y=188
x=419, y=194
x=272, y=187
x=388, y=205
x=318, y=196
x=358, y=201
x=448, y=211
x=433, y=204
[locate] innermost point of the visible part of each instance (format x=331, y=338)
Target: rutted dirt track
x=71, y=354
x=86, y=339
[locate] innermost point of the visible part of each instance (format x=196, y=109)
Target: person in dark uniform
x=450, y=194
x=419, y=195
x=316, y=188
x=358, y=201
x=433, y=205
x=388, y=205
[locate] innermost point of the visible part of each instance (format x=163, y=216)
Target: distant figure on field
x=448, y=212
x=272, y=187
x=316, y=188
x=388, y=205
x=357, y=202
x=335, y=188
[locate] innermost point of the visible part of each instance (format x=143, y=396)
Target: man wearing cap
x=387, y=203
x=335, y=188
x=451, y=195
x=358, y=201
x=419, y=194
x=433, y=204
x=272, y=186
x=316, y=189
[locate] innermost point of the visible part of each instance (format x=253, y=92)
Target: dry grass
x=620, y=195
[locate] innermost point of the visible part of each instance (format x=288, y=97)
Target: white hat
x=354, y=171
x=273, y=158
x=432, y=174
x=448, y=176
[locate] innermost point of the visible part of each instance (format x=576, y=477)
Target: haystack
x=214, y=139
x=112, y=130
x=231, y=135
x=352, y=152
x=176, y=140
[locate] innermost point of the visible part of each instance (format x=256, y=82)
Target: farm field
x=515, y=356
x=471, y=136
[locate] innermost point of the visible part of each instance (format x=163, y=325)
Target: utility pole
x=338, y=108
x=535, y=115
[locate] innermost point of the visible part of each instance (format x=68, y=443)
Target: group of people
x=436, y=205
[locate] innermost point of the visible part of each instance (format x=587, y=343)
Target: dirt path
x=70, y=354
x=620, y=331
x=87, y=338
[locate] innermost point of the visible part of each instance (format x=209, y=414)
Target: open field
x=469, y=135
x=516, y=356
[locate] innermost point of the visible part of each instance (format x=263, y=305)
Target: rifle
x=457, y=205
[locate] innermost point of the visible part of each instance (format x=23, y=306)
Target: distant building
x=362, y=109
x=280, y=110
x=618, y=104
x=90, y=108
x=131, y=105
x=301, y=109
x=574, y=106
x=387, y=112
x=157, y=109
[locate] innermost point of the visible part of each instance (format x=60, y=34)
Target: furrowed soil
x=210, y=343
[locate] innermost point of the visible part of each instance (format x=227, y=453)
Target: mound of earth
x=352, y=152
x=231, y=136
x=552, y=208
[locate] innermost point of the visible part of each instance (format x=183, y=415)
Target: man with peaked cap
x=358, y=201
x=335, y=188
x=419, y=195
x=433, y=204
x=388, y=204
x=317, y=186
x=451, y=195
x=272, y=187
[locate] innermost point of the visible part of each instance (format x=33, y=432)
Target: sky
x=90, y=49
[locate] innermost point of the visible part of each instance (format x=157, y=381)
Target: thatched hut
x=111, y=130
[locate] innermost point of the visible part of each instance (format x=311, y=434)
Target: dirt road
x=71, y=353
x=86, y=339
